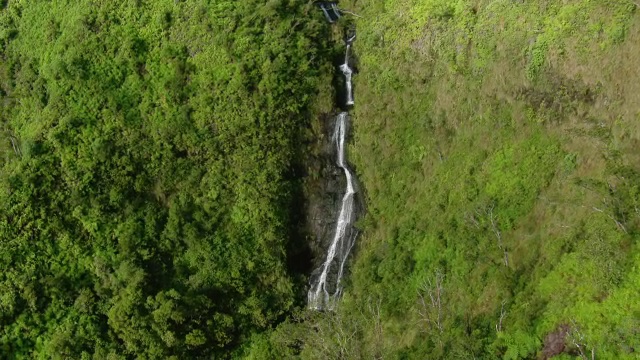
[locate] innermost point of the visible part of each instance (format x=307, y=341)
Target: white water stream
x=346, y=70
x=326, y=289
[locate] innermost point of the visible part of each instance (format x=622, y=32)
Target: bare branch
x=433, y=303
x=495, y=228
x=440, y=155
x=618, y=223
x=503, y=313
x=498, y=234
x=350, y=13
x=16, y=148
x=472, y=219
x=577, y=338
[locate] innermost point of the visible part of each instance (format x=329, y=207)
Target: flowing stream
x=325, y=287
x=346, y=70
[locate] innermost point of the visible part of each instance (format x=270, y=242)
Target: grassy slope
x=497, y=143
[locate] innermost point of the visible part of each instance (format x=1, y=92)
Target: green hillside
x=497, y=142
x=156, y=157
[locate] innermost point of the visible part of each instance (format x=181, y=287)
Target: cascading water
x=346, y=70
x=326, y=288
x=325, y=285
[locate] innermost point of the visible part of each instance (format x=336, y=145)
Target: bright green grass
x=483, y=128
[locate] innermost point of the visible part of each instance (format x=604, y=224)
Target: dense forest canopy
x=152, y=155
x=147, y=173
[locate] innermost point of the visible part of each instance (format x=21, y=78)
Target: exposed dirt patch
x=554, y=343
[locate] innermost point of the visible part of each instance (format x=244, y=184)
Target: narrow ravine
x=326, y=280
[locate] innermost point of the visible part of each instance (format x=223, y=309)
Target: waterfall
x=323, y=294
x=326, y=282
x=346, y=70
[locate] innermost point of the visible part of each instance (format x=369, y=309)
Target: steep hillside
x=497, y=142
x=149, y=173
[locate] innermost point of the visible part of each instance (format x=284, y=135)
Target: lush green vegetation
x=150, y=179
x=148, y=170
x=497, y=142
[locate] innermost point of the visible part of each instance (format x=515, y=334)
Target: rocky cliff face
x=325, y=186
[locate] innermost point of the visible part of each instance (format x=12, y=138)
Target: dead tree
x=478, y=221
x=618, y=223
x=16, y=146
x=577, y=339
x=496, y=231
x=503, y=313
x=373, y=318
x=336, y=336
x=610, y=206
x=430, y=298
x=472, y=220
x=374, y=310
